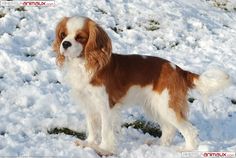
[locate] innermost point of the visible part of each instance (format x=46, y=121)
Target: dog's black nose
x=66, y=44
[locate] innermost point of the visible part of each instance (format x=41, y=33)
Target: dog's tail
x=210, y=82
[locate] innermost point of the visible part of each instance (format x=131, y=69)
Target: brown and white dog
x=102, y=81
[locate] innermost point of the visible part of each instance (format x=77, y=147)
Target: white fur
x=73, y=25
x=172, y=65
x=211, y=81
x=94, y=101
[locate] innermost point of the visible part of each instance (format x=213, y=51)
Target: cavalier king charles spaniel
x=103, y=82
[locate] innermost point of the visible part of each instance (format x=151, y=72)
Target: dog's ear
x=98, y=48
x=60, y=29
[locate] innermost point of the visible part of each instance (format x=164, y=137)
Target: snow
x=195, y=35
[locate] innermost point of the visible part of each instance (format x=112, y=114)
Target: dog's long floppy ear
x=98, y=48
x=61, y=27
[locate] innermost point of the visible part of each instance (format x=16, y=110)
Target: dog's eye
x=63, y=35
x=81, y=39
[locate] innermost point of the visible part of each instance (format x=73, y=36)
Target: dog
x=102, y=81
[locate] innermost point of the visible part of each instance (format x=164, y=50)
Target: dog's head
x=80, y=37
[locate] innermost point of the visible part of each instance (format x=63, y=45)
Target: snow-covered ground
x=194, y=34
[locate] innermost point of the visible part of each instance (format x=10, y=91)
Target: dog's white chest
x=75, y=75
x=78, y=80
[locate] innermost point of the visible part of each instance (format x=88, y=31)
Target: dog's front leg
x=108, y=141
x=92, y=126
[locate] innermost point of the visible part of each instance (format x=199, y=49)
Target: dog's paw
x=95, y=147
x=102, y=152
x=81, y=143
x=150, y=142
